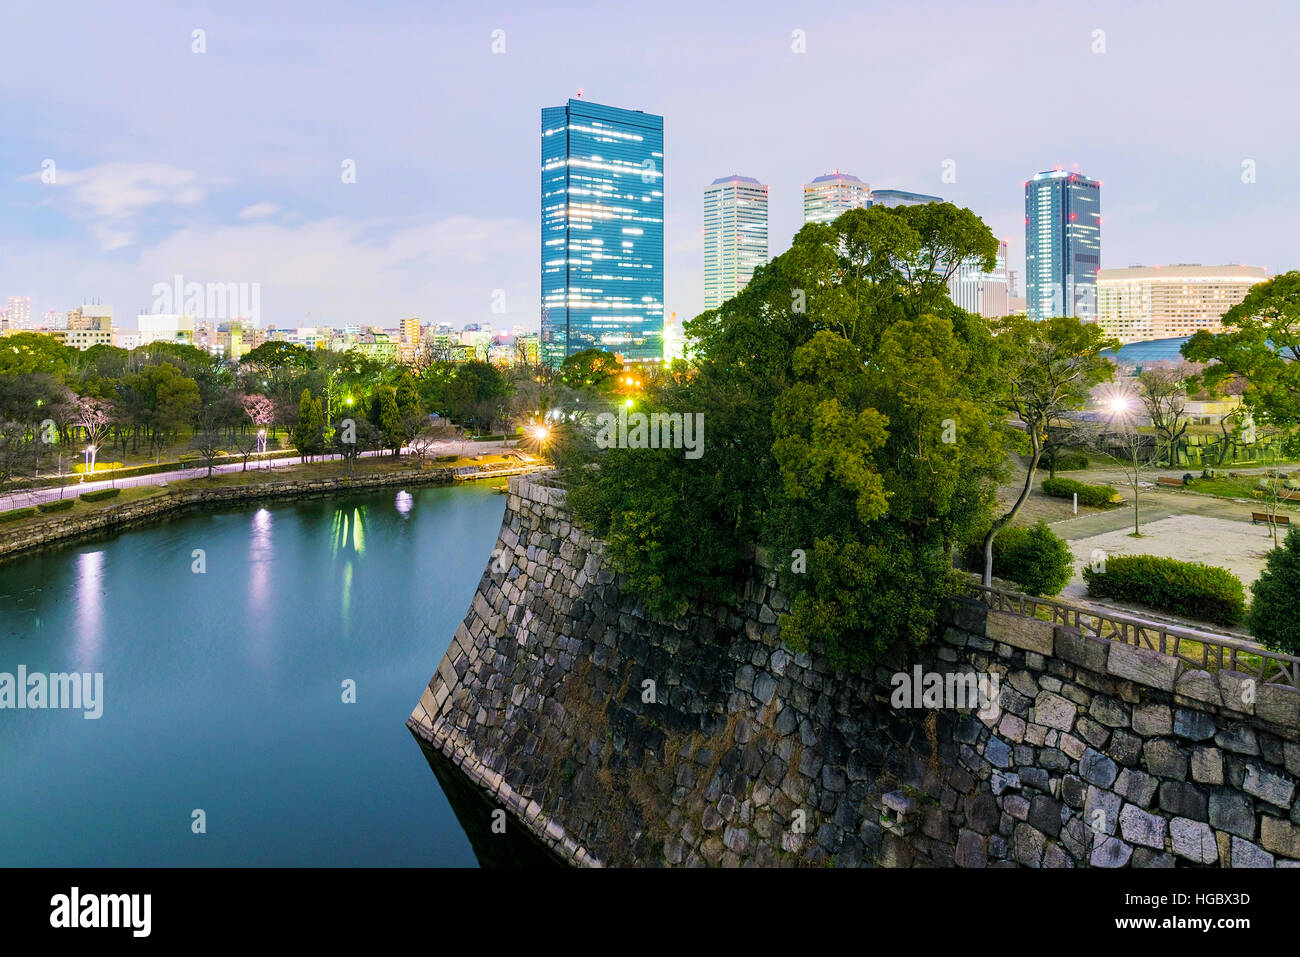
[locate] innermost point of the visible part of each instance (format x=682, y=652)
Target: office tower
x=986, y=294
x=1139, y=303
x=411, y=332
x=19, y=312
x=901, y=197
x=735, y=236
x=602, y=232
x=1062, y=244
x=827, y=197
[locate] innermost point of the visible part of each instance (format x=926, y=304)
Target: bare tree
x=1163, y=394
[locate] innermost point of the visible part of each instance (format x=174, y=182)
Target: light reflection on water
x=222, y=689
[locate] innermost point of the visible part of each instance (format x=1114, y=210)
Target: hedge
x=1275, y=598
x=1071, y=461
x=102, y=494
x=1097, y=496
x=15, y=514
x=57, y=505
x=446, y=458
x=1192, y=589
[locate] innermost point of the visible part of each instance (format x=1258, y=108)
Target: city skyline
x=150, y=180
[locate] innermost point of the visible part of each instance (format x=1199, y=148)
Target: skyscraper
x=901, y=197
x=602, y=231
x=735, y=236
x=1062, y=244
x=827, y=197
x=983, y=293
x=20, y=312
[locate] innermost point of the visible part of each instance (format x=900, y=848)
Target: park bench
x=1173, y=482
x=1257, y=518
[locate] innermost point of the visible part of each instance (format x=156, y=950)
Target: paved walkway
x=25, y=499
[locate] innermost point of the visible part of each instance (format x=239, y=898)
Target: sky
x=226, y=166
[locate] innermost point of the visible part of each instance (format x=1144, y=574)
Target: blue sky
x=225, y=166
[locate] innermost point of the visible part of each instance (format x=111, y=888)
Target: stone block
x=1085, y=651
x=1193, y=840
x=1144, y=666
x=1193, y=724
x=1152, y=720
x=1246, y=854
x=1018, y=631
x=1140, y=827
x=1280, y=837
x=1279, y=704
x=1053, y=711
x=1268, y=786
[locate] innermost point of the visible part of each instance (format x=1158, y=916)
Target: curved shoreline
x=58, y=530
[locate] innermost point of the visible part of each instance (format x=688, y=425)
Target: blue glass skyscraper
x=602, y=231
x=1062, y=245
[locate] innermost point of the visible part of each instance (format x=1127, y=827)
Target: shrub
x=1192, y=589
x=1209, y=473
x=1187, y=478
x=487, y=438
x=1071, y=461
x=1035, y=558
x=15, y=514
x=102, y=494
x=1097, y=496
x=1274, y=616
x=57, y=505
x=446, y=458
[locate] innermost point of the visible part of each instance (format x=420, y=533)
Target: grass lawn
x=1234, y=488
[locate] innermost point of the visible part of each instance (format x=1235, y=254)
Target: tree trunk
x=1009, y=516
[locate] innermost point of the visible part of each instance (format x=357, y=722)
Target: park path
x=27, y=498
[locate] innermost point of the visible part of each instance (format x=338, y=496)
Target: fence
x=1211, y=652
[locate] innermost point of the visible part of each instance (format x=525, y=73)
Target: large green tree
x=1260, y=344
x=851, y=428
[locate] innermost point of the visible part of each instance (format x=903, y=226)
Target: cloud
x=258, y=211
x=113, y=195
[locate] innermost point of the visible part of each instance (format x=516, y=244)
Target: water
x=223, y=690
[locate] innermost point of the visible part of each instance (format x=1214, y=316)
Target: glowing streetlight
x=1119, y=404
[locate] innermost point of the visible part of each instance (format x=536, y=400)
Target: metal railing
x=1205, y=650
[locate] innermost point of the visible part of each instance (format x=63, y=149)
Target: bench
x=1257, y=518
x=1174, y=482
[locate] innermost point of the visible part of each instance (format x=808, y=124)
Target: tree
x=1260, y=344
x=1163, y=395
x=1048, y=368
x=1135, y=453
x=851, y=421
x=309, y=432
x=1274, y=615
x=593, y=370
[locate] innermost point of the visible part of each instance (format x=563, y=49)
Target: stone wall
x=61, y=526
x=746, y=753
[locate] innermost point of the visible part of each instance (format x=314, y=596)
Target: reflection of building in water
x=348, y=532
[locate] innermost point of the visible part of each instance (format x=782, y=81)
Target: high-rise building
x=1139, y=303
x=411, y=332
x=735, y=236
x=602, y=231
x=828, y=197
x=901, y=197
x=165, y=327
x=1062, y=244
x=986, y=294
x=19, y=312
